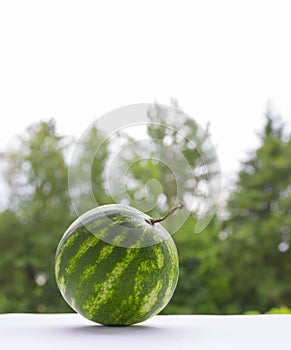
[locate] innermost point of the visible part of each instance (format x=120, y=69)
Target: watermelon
x=116, y=266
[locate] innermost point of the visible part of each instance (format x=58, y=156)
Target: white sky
x=76, y=60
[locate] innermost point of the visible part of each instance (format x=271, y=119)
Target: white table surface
x=71, y=331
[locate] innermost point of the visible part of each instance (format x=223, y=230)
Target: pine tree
x=256, y=236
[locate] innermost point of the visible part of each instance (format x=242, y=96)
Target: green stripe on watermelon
x=89, y=271
x=90, y=242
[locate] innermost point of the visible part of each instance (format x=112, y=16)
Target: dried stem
x=171, y=212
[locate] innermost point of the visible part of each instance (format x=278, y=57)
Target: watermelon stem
x=170, y=213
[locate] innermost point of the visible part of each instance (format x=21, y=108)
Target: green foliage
x=236, y=265
x=252, y=312
x=276, y=310
x=91, y=159
x=199, y=283
x=171, y=130
x=256, y=232
x=38, y=215
x=280, y=310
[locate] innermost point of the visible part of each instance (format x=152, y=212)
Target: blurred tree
x=182, y=134
x=256, y=235
x=237, y=265
x=86, y=170
x=38, y=214
x=176, y=150
x=201, y=282
x=174, y=162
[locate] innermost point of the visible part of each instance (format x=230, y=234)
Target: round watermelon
x=116, y=266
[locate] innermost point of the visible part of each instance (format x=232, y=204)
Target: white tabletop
x=71, y=331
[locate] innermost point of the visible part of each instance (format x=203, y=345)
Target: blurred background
x=64, y=63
